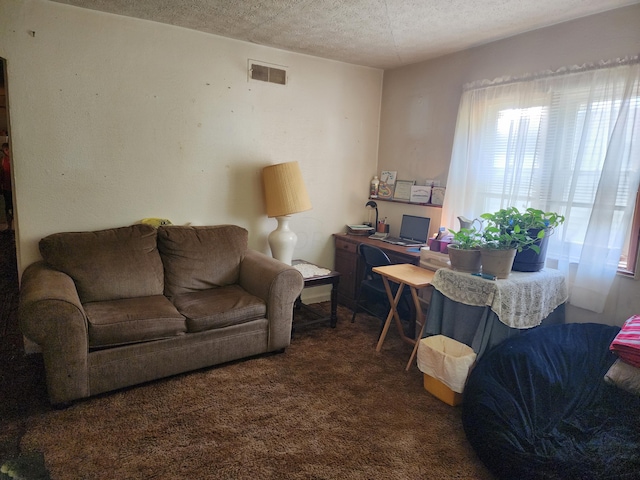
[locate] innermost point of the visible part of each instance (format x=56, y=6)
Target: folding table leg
x=392, y=311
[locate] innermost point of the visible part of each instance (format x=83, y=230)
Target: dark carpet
x=330, y=407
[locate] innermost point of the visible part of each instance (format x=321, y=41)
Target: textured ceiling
x=375, y=33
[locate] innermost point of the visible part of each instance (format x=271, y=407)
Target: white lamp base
x=282, y=241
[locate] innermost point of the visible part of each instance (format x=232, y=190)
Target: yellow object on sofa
x=156, y=222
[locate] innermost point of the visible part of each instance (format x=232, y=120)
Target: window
x=563, y=142
x=523, y=155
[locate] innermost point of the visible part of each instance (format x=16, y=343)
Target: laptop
x=414, y=231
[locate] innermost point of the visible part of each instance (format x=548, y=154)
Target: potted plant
x=502, y=238
x=525, y=234
x=539, y=225
x=464, y=250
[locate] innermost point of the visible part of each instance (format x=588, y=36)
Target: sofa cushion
x=108, y=264
x=200, y=258
x=132, y=320
x=219, y=307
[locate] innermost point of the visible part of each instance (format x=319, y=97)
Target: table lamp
x=285, y=194
x=373, y=204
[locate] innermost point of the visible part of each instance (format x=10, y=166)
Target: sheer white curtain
x=565, y=141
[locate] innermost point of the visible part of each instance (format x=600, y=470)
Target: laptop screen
x=414, y=228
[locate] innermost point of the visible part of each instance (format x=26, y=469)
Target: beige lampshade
x=284, y=189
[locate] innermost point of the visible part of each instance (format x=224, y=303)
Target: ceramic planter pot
x=465, y=260
x=497, y=262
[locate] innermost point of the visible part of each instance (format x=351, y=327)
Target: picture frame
x=388, y=177
x=385, y=190
x=420, y=194
x=437, y=195
x=402, y=190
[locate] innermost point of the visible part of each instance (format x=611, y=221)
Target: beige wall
x=115, y=119
x=420, y=102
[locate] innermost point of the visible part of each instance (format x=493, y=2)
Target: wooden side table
x=332, y=278
x=416, y=278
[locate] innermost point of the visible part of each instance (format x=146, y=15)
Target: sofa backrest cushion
x=108, y=264
x=199, y=258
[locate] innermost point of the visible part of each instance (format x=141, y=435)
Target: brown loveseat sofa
x=118, y=307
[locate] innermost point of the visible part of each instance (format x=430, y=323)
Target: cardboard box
x=439, y=390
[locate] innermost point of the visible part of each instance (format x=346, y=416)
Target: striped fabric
x=627, y=343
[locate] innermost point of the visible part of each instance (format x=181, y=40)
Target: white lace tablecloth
x=309, y=270
x=521, y=301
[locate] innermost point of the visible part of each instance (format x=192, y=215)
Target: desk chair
x=372, y=287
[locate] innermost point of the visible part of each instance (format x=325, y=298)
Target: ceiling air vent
x=264, y=72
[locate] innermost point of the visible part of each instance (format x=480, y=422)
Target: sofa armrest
x=50, y=314
x=279, y=285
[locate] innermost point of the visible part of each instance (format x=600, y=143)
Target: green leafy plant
x=534, y=219
x=506, y=230
x=466, y=239
x=495, y=238
x=509, y=228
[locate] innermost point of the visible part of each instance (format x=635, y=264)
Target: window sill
x=626, y=273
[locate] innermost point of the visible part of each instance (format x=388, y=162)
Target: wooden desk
x=416, y=278
x=350, y=265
